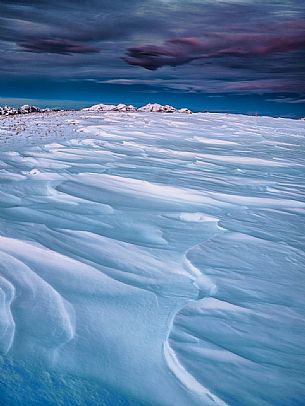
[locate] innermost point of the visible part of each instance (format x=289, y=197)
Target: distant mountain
x=111, y=107
x=151, y=107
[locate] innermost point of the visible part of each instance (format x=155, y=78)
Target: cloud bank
x=191, y=46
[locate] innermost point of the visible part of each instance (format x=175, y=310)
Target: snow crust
x=152, y=259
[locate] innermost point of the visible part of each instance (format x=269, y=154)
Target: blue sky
x=234, y=56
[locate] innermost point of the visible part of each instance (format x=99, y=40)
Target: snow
x=151, y=259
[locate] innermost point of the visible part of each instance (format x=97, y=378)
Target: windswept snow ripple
x=152, y=259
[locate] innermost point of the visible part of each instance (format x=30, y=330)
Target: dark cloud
x=175, y=52
x=57, y=46
x=179, y=51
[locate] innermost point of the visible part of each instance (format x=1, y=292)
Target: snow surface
x=152, y=260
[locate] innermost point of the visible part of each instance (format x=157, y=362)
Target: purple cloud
x=180, y=51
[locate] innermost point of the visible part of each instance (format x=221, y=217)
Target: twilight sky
x=240, y=56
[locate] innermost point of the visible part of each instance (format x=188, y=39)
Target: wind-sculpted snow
x=152, y=260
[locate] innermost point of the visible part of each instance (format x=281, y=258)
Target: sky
x=232, y=56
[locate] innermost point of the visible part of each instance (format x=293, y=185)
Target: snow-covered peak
x=155, y=107
x=123, y=107
x=150, y=107
x=110, y=107
x=101, y=107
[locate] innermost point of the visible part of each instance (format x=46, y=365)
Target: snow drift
x=152, y=260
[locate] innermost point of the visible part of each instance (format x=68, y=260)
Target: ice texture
x=151, y=259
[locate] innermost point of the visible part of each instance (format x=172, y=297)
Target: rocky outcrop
x=185, y=111
x=25, y=109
